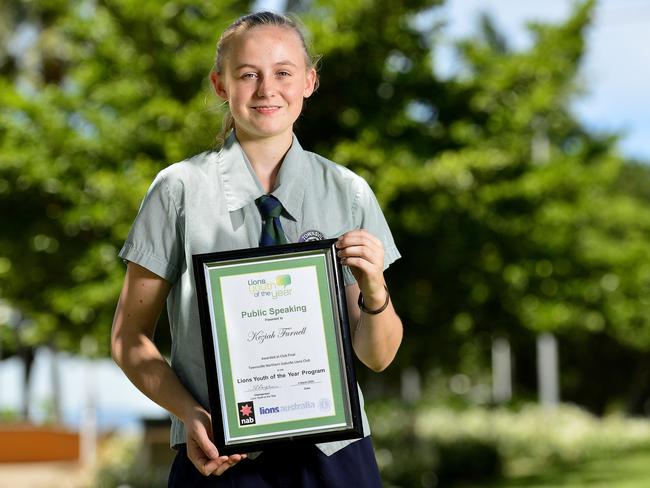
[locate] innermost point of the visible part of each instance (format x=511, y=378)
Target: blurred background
x=508, y=145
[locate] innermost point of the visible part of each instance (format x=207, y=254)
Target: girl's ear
x=310, y=82
x=216, y=80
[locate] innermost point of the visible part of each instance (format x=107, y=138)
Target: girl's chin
x=264, y=133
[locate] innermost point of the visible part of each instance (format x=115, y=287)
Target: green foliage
x=8, y=416
x=122, y=464
x=503, y=205
x=119, y=90
x=408, y=462
x=634, y=180
x=131, y=475
x=621, y=469
x=511, y=217
x=428, y=443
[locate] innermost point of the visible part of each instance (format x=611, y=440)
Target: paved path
x=44, y=475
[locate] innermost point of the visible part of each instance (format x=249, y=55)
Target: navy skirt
x=300, y=467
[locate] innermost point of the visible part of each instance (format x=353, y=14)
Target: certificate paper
x=279, y=345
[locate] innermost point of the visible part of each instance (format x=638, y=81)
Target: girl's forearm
x=376, y=338
x=144, y=365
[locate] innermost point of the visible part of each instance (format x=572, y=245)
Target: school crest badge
x=311, y=235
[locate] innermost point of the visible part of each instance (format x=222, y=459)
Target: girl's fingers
x=224, y=466
x=358, y=237
x=361, y=251
x=360, y=264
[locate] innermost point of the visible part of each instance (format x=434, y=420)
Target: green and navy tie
x=272, y=233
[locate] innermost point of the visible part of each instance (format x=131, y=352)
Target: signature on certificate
x=261, y=387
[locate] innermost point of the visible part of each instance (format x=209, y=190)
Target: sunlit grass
x=434, y=446
x=620, y=470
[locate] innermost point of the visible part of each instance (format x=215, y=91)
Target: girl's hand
x=364, y=254
x=200, y=448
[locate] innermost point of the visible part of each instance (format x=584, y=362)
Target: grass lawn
x=620, y=470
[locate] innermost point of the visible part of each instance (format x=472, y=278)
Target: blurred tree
x=95, y=98
x=507, y=209
x=511, y=216
x=634, y=180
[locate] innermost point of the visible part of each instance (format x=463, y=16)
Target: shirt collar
x=241, y=186
x=290, y=183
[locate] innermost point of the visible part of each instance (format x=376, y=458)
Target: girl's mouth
x=267, y=109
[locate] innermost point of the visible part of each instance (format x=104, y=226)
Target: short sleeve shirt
x=207, y=204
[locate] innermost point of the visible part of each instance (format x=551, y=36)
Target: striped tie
x=272, y=233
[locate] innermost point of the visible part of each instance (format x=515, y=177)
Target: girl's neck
x=265, y=156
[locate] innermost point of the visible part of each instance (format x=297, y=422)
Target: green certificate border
x=234, y=431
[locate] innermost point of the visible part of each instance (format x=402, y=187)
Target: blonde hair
x=246, y=23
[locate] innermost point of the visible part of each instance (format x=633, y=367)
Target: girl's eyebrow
x=285, y=62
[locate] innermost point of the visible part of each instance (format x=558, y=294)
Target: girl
x=219, y=201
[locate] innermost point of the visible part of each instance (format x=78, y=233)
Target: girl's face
x=264, y=80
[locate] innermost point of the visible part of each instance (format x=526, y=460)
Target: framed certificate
x=277, y=346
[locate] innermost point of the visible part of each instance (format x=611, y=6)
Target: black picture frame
x=222, y=419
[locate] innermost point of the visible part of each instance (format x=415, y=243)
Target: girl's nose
x=265, y=87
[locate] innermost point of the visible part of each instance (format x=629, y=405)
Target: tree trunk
x=55, y=380
x=27, y=356
x=639, y=390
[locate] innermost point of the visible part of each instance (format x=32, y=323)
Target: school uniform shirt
x=207, y=204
